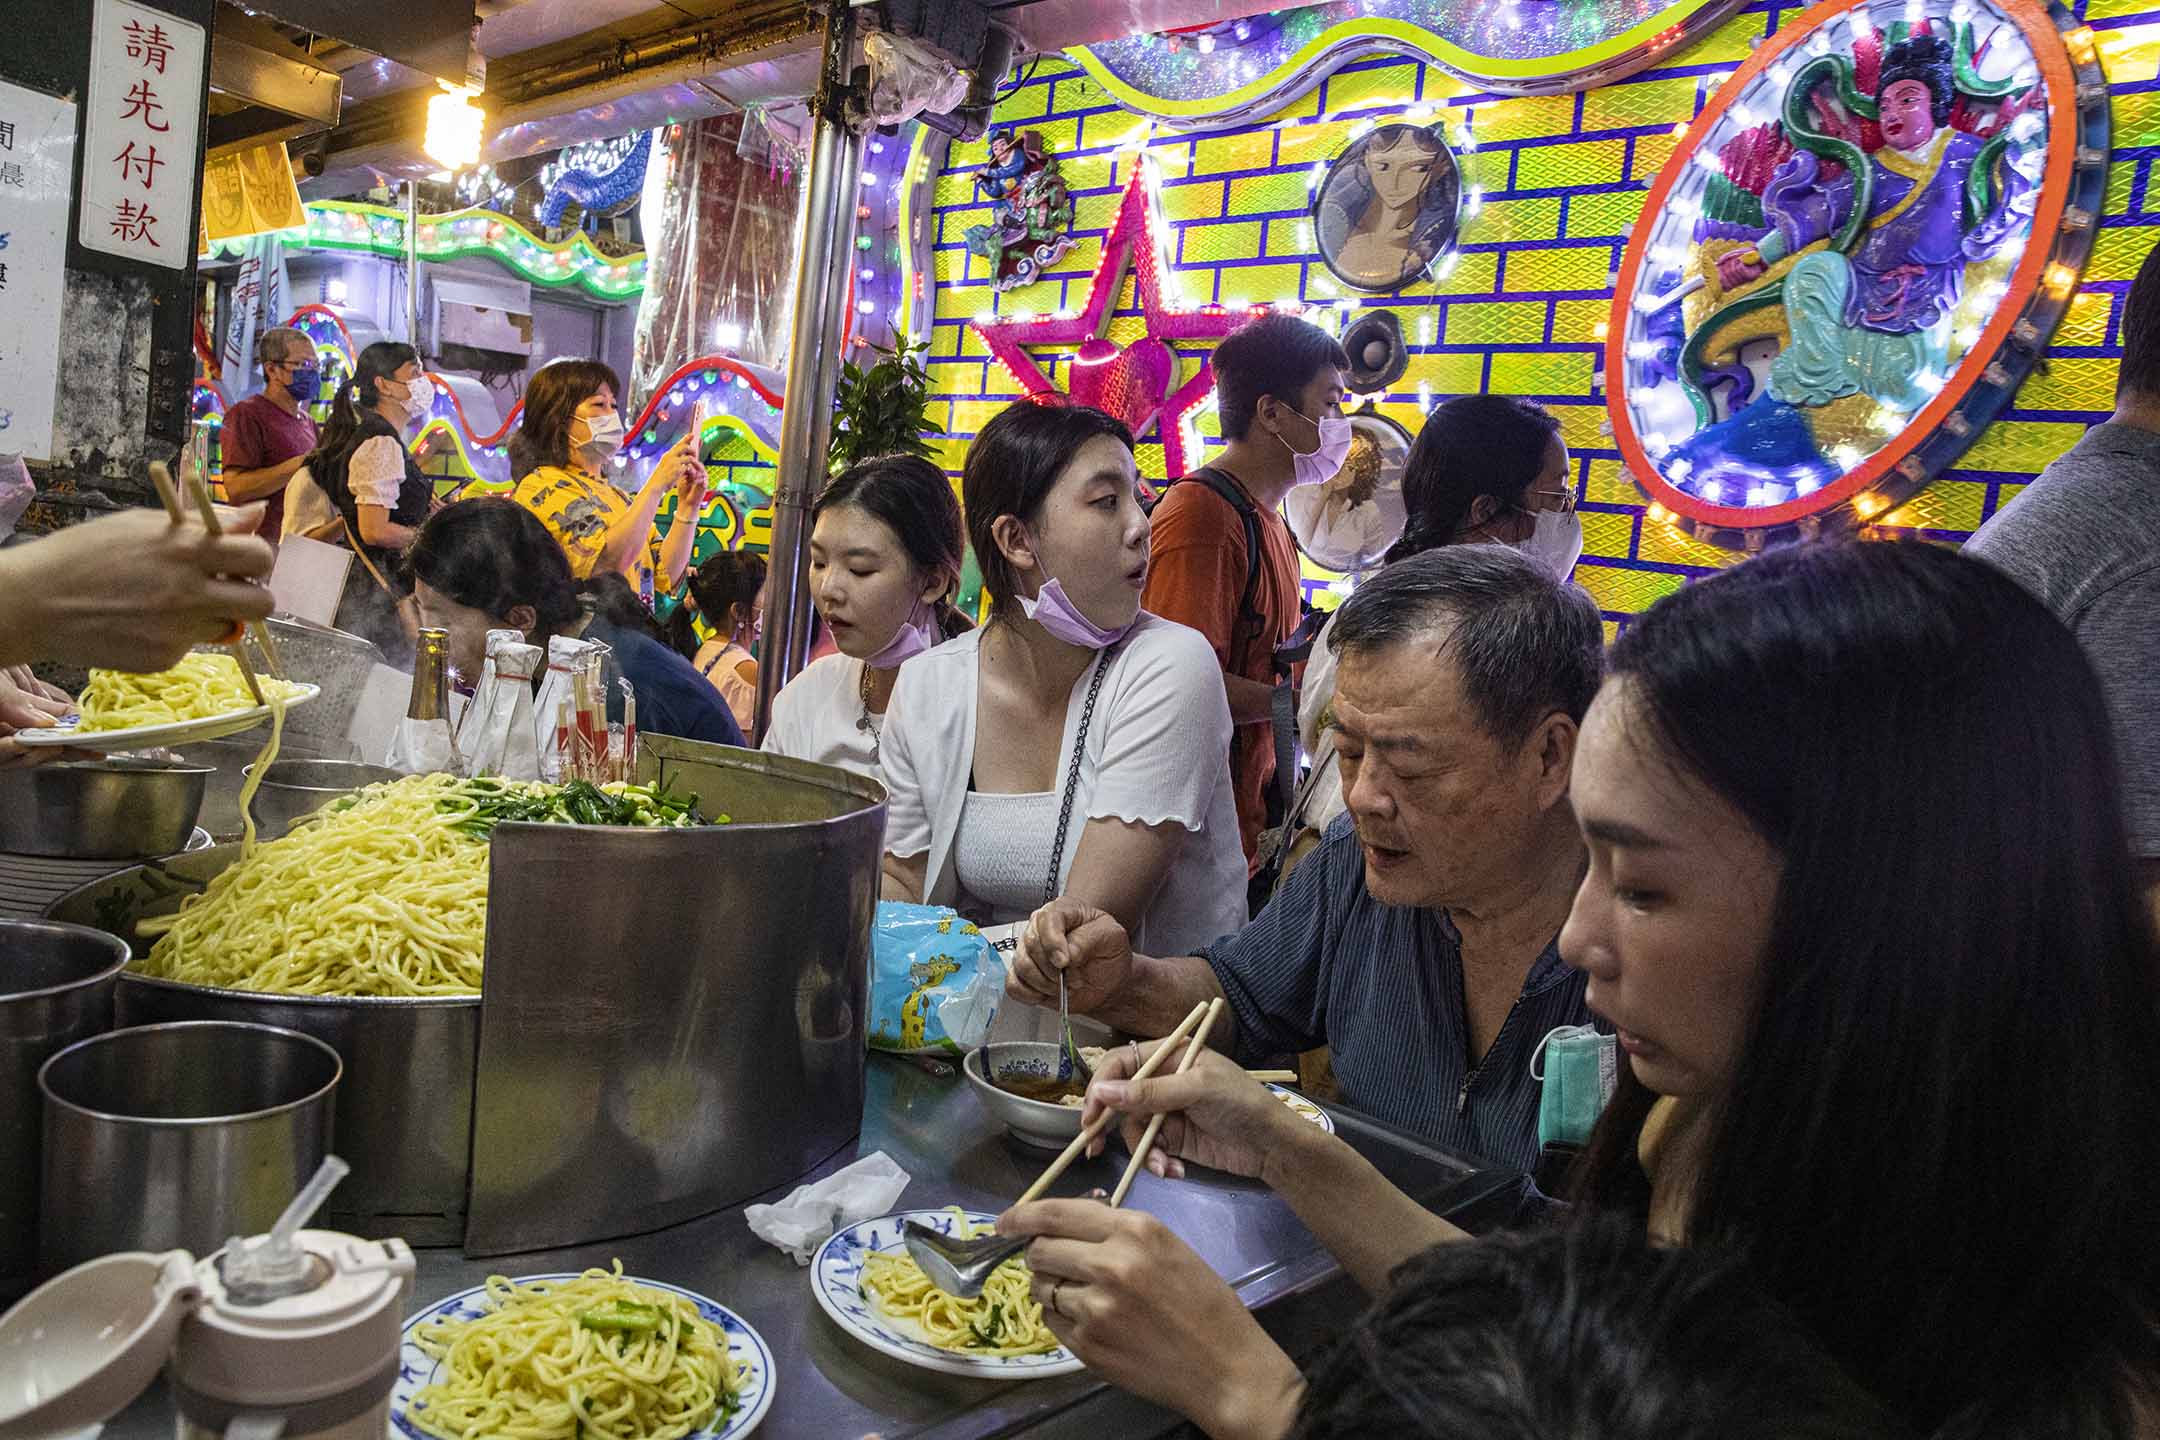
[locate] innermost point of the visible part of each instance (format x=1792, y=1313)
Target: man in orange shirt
x=1279, y=392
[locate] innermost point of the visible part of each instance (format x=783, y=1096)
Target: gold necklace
x=866, y=725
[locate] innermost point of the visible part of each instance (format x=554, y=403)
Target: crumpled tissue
x=808, y=1217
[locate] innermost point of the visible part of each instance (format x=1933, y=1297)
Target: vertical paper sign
x=140, y=134
x=37, y=148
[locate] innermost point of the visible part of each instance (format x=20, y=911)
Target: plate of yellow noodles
x=595, y=1356
x=202, y=698
x=865, y=1280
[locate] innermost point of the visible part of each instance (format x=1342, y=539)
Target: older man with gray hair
x=1419, y=941
x=267, y=436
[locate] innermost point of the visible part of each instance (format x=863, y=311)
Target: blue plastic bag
x=934, y=982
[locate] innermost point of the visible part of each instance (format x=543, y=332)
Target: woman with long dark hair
x=489, y=564
x=561, y=457
x=1076, y=744
x=362, y=464
x=727, y=591
x=886, y=547
x=1861, y=905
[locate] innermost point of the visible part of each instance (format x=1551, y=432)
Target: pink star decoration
x=1137, y=383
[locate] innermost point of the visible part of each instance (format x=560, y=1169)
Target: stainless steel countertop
x=832, y=1388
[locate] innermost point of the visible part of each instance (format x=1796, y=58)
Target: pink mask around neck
x=1057, y=614
x=916, y=634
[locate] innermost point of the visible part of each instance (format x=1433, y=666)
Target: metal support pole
x=412, y=265
x=821, y=289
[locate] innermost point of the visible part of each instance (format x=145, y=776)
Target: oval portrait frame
x=1336, y=171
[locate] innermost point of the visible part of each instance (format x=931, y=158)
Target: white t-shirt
x=1157, y=752
x=376, y=472
x=817, y=716
x=719, y=668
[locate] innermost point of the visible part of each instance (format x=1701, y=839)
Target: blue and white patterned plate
x=1302, y=1107
x=416, y=1368
x=836, y=1280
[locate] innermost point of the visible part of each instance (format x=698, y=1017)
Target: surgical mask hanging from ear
x=1311, y=467
x=1555, y=544
x=916, y=634
x=604, y=438
x=1057, y=614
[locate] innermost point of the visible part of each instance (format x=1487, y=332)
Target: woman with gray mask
x=1485, y=468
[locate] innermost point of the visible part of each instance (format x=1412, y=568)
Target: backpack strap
x=1235, y=497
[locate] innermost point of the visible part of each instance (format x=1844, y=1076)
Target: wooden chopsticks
x=1155, y=1124
x=1087, y=1135
x=161, y=477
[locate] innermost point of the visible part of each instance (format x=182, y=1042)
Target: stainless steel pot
x=171, y=1137
x=404, y=1111
x=56, y=987
x=120, y=808
x=293, y=788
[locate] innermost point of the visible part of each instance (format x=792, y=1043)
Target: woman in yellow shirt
x=560, y=456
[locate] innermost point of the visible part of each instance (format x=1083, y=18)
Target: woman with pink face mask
x=886, y=547
x=1076, y=744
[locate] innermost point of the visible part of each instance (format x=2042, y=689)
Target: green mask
x=1581, y=1069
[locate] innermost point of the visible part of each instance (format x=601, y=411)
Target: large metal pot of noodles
x=404, y=1109
x=675, y=1016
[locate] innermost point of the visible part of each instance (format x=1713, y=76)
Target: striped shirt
x=1382, y=987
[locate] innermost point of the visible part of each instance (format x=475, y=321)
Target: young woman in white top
x=886, y=549
x=1071, y=712
x=728, y=592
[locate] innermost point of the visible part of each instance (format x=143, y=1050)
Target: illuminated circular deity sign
x=1388, y=207
x=1853, y=258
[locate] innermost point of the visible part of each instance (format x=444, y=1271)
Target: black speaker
x=1378, y=356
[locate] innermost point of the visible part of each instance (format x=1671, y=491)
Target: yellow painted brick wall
x=1563, y=180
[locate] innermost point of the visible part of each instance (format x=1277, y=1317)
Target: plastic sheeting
x=720, y=237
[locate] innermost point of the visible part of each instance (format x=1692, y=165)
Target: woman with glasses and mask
x=377, y=489
x=1484, y=469
x=266, y=437
x=562, y=460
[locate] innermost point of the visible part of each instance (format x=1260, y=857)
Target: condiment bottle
x=423, y=744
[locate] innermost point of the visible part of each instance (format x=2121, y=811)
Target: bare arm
x=379, y=530
x=1121, y=864
x=903, y=877
x=243, y=485
x=1251, y=701
x=676, y=547
x=629, y=531
x=1368, y=1225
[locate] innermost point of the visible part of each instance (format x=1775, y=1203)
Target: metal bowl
x=120, y=808
x=1032, y=1122
x=293, y=788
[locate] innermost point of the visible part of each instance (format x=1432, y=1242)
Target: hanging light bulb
x=454, y=128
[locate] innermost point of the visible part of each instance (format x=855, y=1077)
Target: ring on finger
x=1055, y=1287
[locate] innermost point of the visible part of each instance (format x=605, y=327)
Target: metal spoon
x=1069, y=1061
x=958, y=1267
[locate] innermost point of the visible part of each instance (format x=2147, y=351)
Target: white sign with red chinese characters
x=139, y=136
x=37, y=151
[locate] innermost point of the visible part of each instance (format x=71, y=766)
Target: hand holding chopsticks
x=1155, y=1123
x=161, y=477
x=129, y=591
x=1087, y=1134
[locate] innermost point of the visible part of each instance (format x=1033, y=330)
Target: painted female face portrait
x=1387, y=208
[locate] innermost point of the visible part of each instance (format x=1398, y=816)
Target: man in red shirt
x=268, y=436
x=1279, y=391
